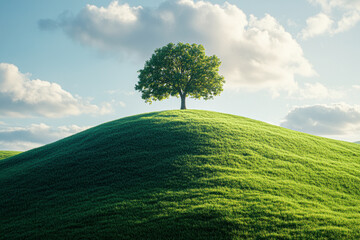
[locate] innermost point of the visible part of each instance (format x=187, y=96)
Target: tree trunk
x=183, y=104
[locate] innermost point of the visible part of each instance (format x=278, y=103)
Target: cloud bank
x=336, y=16
x=21, y=96
x=339, y=120
x=35, y=135
x=255, y=52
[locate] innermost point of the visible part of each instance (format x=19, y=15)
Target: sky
x=66, y=66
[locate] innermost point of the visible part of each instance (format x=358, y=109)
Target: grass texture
x=6, y=154
x=186, y=174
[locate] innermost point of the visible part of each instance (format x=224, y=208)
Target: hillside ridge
x=183, y=174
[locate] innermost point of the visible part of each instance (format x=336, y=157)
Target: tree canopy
x=180, y=70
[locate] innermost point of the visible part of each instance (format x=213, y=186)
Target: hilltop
x=183, y=175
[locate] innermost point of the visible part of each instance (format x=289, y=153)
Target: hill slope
x=6, y=154
x=183, y=175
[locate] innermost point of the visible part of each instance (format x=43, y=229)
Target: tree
x=180, y=70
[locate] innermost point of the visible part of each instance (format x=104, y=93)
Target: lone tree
x=180, y=70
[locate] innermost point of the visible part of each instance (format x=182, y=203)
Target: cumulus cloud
x=255, y=52
x=317, y=25
x=21, y=96
x=35, y=135
x=316, y=91
x=339, y=120
x=336, y=16
x=349, y=20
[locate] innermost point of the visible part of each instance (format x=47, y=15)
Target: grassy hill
x=183, y=175
x=6, y=154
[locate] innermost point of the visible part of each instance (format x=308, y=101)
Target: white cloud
x=349, y=20
x=339, y=120
x=255, y=52
x=20, y=96
x=316, y=91
x=336, y=16
x=317, y=25
x=35, y=135
x=329, y=5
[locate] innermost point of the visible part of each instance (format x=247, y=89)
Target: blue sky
x=69, y=65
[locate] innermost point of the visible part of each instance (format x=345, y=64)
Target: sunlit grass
x=183, y=175
x=6, y=154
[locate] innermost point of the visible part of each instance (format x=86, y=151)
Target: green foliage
x=6, y=154
x=183, y=175
x=180, y=70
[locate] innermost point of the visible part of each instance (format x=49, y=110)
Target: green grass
x=6, y=154
x=183, y=175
